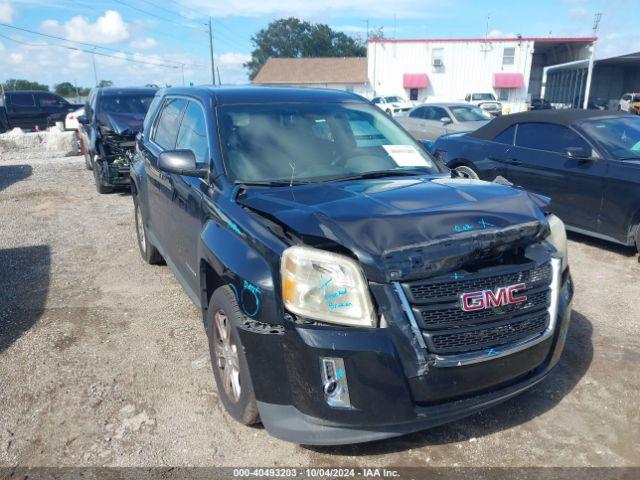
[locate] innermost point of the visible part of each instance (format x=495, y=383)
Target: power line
x=54, y=37
x=93, y=52
x=146, y=12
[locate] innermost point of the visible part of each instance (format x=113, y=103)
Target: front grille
x=437, y=318
x=443, y=289
x=477, y=338
x=448, y=329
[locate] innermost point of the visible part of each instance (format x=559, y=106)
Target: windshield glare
x=468, y=114
x=394, y=99
x=620, y=136
x=314, y=142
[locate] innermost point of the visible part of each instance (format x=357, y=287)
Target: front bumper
x=386, y=401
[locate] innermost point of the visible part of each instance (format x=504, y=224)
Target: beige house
x=345, y=73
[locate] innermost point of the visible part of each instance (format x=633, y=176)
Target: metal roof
x=313, y=70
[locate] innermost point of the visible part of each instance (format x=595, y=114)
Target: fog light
x=334, y=383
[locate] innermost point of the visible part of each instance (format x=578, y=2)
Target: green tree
x=105, y=83
x=19, y=84
x=65, y=89
x=293, y=38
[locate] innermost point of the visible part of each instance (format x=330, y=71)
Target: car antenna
x=293, y=171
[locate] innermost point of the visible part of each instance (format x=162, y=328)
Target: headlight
x=558, y=238
x=325, y=286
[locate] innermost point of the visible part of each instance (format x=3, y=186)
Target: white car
x=71, y=120
x=627, y=101
x=485, y=101
x=393, y=104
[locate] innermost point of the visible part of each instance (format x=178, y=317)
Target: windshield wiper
x=379, y=174
x=271, y=183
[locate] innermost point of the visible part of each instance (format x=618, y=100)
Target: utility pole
x=95, y=72
x=213, y=65
x=219, y=81
x=587, y=88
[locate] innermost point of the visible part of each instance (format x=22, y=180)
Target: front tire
x=97, y=175
x=466, y=171
x=87, y=161
x=230, y=367
x=149, y=253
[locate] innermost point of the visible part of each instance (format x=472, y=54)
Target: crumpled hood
x=125, y=123
x=406, y=227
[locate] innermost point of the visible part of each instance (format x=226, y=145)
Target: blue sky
x=172, y=32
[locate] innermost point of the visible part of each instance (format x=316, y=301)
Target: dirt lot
x=103, y=359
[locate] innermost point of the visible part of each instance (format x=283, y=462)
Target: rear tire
x=87, y=161
x=149, y=253
x=466, y=171
x=230, y=367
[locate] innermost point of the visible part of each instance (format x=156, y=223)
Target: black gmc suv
x=350, y=288
x=112, y=118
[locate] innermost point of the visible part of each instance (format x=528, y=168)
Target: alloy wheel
x=226, y=353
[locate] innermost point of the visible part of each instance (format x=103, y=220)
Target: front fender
x=238, y=264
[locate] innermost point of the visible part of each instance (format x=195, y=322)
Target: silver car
x=429, y=121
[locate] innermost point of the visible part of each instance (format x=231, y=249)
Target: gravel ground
x=103, y=359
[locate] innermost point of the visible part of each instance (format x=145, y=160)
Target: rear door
x=22, y=111
x=188, y=193
x=160, y=187
x=575, y=186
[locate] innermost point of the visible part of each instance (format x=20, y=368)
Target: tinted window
x=620, y=136
x=434, y=113
x=193, y=133
x=50, y=101
x=506, y=136
x=22, y=100
x=549, y=137
x=167, y=128
x=468, y=114
x=125, y=103
x=417, y=113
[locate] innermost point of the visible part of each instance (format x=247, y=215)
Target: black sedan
x=586, y=161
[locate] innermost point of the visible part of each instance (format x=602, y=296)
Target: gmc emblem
x=483, y=299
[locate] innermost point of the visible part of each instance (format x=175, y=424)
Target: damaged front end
x=115, y=147
x=471, y=299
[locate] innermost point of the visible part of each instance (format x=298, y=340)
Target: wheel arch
x=226, y=258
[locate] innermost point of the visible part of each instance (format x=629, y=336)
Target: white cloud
x=6, y=11
x=495, y=33
x=109, y=28
x=313, y=8
x=16, y=58
x=144, y=43
x=578, y=12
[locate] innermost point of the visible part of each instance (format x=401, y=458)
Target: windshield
x=468, y=114
x=394, y=99
x=483, y=96
x=314, y=142
x=125, y=103
x=620, y=136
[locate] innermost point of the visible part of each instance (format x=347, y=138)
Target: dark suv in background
x=112, y=118
x=351, y=289
x=32, y=109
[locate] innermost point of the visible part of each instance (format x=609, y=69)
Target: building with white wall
x=449, y=69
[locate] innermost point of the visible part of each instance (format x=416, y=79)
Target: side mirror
x=83, y=119
x=181, y=162
x=578, y=153
x=446, y=120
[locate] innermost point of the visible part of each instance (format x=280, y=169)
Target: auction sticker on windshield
x=405, y=155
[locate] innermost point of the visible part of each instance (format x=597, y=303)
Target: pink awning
x=415, y=80
x=508, y=80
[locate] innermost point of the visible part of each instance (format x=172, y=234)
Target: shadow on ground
x=24, y=283
x=541, y=398
x=602, y=244
x=10, y=174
